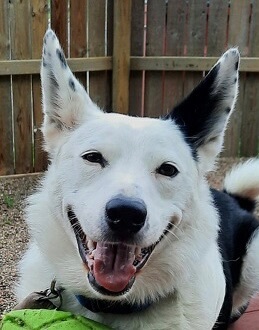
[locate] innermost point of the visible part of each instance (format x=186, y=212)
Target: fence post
x=121, y=56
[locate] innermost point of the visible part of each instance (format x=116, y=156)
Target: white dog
x=124, y=219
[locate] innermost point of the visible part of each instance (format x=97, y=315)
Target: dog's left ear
x=202, y=116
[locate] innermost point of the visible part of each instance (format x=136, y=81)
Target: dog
x=124, y=219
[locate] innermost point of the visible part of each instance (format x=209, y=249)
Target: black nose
x=126, y=215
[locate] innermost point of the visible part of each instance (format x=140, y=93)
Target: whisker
x=176, y=227
x=172, y=233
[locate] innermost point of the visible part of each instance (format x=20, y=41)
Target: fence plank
x=154, y=81
x=96, y=47
x=121, y=56
x=175, y=31
x=39, y=23
x=136, y=98
x=78, y=13
x=239, y=16
x=110, y=23
x=109, y=52
x=196, y=37
x=20, y=31
x=250, y=113
x=59, y=22
x=6, y=132
x=218, y=31
x=217, y=27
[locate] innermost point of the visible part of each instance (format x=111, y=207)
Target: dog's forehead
x=119, y=129
x=133, y=123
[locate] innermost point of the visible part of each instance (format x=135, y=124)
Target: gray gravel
x=13, y=231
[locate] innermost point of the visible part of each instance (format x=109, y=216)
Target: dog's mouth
x=112, y=266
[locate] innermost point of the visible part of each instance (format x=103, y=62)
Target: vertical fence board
x=175, y=29
x=154, y=82
x=6, y=132
x=239, y=16
x=217, y=39
x=195, y=41
x=59, y=22
x=96, y=47
x=39, y=23
x=109, y=37
x=121, y=56
x=78, y=13
x=217, y=27
x=137, y=39
x=21, y=49
x=110, y=22
x=250, y=113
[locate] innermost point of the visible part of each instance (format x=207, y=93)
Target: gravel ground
x=13, y=231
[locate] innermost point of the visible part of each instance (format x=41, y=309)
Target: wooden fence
x=134, y=56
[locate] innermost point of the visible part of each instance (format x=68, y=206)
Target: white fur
x=243, y=180
x=185, y=267
x=249, y=282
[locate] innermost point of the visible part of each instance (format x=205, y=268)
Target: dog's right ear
x=66, y=104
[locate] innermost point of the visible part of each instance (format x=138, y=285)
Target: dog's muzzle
x=114, y=264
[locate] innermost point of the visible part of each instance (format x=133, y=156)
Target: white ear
x=203, y=115
x=66, y=104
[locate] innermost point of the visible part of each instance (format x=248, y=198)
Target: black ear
x=202, y=116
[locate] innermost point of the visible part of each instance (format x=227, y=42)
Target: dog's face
x=126, y=189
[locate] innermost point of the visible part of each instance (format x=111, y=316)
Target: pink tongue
x=113, y=265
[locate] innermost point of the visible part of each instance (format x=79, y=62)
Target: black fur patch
x=198, y=112
x=53, y=83
x=72, y=84
x=53, y=90
x=44, y=62
x=61, y=58
x=236, y=65
x=245, y=203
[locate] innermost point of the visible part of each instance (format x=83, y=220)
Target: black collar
x=113, y=307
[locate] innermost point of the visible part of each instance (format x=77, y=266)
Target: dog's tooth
x=91, y=254
x=90, y=245
x=138, y=251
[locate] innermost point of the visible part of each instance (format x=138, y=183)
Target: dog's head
x=130, y=192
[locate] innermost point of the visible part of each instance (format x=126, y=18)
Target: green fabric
x=41, y=319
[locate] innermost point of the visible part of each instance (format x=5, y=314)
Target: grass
x=9, y=201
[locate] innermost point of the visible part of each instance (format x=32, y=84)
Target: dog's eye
x=94, y=157
x=167, y=169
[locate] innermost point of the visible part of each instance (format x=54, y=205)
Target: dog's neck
x=112, y=307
